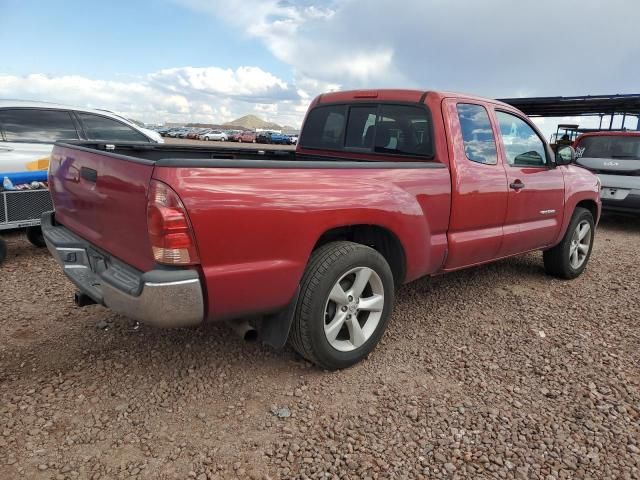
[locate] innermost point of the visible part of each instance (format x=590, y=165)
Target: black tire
x=35, y=237
x=557, y=261
x=3, y=251
x=325, y=268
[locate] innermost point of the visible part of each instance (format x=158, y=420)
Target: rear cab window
x=37, y=125
x=609, y=146
x=381, y=128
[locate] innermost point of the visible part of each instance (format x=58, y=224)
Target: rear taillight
x=172, y=239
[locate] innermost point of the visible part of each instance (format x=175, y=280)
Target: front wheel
x=569, y=258
x=3, y=251
x=35, y=237
x=346, y=298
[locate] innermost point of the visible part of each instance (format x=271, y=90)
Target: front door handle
x=517, y=185
x=5, y=149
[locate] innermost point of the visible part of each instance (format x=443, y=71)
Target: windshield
x=609, y=147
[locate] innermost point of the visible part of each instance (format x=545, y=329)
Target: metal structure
x=627, y=105
x=20, y=209
x=23, y=208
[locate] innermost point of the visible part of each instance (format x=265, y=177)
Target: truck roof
x=607, y=133
x=403, y=95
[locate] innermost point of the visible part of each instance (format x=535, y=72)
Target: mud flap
x=274, y=329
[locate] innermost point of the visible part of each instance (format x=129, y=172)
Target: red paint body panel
x=255, y=228
x=110, y=213
x=479, y=203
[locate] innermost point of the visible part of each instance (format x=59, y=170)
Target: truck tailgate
x=103, y=199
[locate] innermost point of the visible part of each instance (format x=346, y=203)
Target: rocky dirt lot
x=495, y=372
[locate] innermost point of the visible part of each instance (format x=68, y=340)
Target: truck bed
x=163, y=155
x=256, y=214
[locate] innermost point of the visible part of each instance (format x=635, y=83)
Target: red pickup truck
x=385, y=187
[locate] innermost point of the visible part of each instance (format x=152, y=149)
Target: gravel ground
x=495, y=372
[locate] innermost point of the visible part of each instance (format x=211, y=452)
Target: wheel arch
x=590, y=205
x=381, y=239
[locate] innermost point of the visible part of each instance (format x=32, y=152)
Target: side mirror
x=565, y=155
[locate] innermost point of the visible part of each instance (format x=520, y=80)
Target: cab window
x=477, y=134
x=37, y=125
x=370, y=128
x=324, y=127
x=403, y=130
x=98, y=127
x=522, y=145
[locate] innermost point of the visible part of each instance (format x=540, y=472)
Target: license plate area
x=613, y=193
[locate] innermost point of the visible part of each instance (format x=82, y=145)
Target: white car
x=28, y=131
x=215, y=135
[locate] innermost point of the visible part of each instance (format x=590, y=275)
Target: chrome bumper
x=161, y=298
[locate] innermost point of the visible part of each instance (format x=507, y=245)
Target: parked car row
x=197, y=133
x=246, y=136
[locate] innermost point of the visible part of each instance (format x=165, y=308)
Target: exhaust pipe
x=243, y=329
x=82, y=299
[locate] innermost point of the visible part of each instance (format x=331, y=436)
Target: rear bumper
x=631, y=203
x=620, y=193
x=167, y=298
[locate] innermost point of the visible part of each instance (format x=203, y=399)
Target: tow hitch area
x=82, y=299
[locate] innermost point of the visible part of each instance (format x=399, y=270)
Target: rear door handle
x=5, y=149
x=517, y=185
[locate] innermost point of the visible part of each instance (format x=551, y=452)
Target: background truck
x=615, y=158
x=385, y=187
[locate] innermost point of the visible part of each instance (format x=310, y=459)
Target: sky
x=215, y=60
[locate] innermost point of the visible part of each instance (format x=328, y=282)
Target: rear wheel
x=346, y=298
x=34, y=235
x=3, y=251
x=569, y=258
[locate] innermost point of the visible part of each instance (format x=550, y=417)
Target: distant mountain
x=251, y=122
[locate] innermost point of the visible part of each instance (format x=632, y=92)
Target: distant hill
x=251, y=122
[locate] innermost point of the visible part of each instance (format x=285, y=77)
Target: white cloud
x=494, y=48
x=184, y=94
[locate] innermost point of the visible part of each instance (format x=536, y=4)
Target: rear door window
x=477, y=134
x=98, y=127
x=37, y=125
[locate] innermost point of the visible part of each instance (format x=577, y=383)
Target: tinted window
x=390, y=129
x=613, y=146
x=361, y=127
x=403, y=130
x=477, y=135
x=522, y=145
x=103, y=128
x=37, y=125
x=324, y=127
